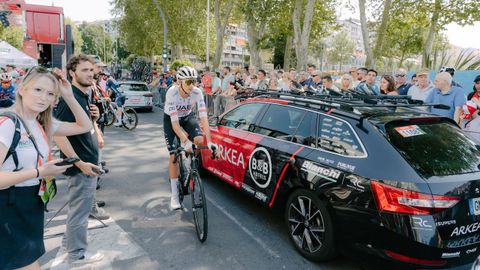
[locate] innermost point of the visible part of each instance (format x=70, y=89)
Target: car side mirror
x=213, y=121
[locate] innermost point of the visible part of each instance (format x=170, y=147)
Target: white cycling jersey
x=177, y=107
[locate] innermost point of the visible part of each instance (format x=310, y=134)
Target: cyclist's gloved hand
x=213, y=147
x=187, y=145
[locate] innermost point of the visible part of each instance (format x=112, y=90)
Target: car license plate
x=134, y=100
x=474, y=206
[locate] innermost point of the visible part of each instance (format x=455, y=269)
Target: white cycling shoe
x=174, y=200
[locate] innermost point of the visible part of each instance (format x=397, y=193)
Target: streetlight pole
x=104, y=46
x=164, y=53
x=208, y=33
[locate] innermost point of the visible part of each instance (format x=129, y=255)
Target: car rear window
x=435, y=149
x=133, y=87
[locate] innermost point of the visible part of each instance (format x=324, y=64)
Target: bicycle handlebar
x=195, y=148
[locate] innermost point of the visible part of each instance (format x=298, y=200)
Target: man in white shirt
x=422, y=89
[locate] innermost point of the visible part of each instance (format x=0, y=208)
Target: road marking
x=248, y=232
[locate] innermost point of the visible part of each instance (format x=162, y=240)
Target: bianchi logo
x=447, y=255
x=326, y=173
x=260, y=167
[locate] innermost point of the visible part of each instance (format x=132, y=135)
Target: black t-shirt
x=86, y=144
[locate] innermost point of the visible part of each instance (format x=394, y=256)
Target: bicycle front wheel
x=109, y=118
x=199, y=206
x=129, y=118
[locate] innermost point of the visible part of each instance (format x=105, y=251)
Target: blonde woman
x=284, y=84
x=346, y=83
x=22, y=210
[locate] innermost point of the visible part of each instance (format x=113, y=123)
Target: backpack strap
x=16, y=139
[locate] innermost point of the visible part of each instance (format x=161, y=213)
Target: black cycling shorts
x=189, y=123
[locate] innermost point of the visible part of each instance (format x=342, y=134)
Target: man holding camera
x=82, y=180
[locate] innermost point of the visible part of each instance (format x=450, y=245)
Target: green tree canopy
x=13, y=35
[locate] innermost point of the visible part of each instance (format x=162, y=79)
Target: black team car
x=376, y=174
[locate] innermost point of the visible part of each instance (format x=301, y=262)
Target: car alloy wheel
x=310, y=226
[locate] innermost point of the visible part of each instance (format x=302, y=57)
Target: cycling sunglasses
x=190, y=82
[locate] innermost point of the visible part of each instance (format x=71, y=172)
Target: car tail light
x=404, y=201
x=148, y=95
x=406, y=259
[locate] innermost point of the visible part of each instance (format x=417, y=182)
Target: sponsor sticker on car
x=410, y=131
x=260, y=167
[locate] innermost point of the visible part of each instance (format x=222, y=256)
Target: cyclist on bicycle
x=119, y=97
x=180, y=123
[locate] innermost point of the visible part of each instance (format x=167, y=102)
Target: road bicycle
x=191, y=183
x=129, y=115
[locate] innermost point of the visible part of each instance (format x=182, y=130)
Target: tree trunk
x=254, y=34
x=366, y=41
x=382, y=29
x=220, y=25
x=431, y=34
x=253, y=39
x=302, y=32
x=177, y=51
x=288, y=53
x=218, y=49
x=402, y=58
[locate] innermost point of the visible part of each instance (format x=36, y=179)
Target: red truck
x=45, y=37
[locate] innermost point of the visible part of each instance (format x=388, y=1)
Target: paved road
x=144, y=234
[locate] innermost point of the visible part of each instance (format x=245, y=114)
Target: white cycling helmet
x=185, y=73
x=5, y=77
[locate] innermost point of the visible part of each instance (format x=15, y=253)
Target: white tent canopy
x=10, y=55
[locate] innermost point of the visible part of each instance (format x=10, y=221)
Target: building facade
x=235, y=52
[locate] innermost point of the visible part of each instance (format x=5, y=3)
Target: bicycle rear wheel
x=199, y=206
x=129, y=118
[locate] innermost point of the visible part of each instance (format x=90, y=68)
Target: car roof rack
x=346, y=103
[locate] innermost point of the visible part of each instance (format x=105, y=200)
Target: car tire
x=310, y=226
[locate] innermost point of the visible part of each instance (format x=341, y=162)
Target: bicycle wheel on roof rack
x=199, y=206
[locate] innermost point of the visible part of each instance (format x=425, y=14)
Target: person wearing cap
x=473, y=101
x=476, y=84
x=422, y=89
x=7, y=91
x=471, y=121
